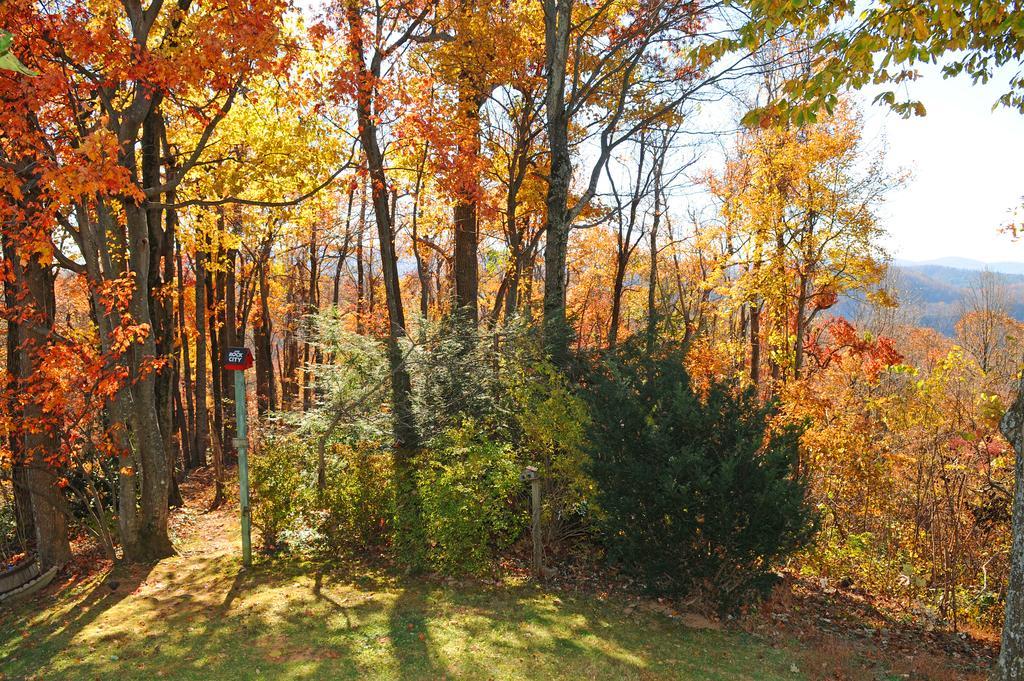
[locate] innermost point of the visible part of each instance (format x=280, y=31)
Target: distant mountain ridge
x=1006, y=267
x=935, y=292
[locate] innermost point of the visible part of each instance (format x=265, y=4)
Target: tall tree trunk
x=1010, y=666
x=408, y=520
x=557, y=23
x=154, y=541
x=801, y=327
x=360, y=276
x=652, y=283
x=229, y=326
x=515, y=248
x=652, y=277
x=310, y=350
x=266, y=395
x=755, y=343
x=97, y=239
x=467, y=276
x=33, y=293
x=216, y=352
x=421, y=272
x=208, y=438
x=161, y=313
x=754, y=308
x=189, y=431
x=19, y=472
x=289, y=359
x=520, y=164
x=343, y=252
x=202, y=432
x=466, y=267
x=24, y=522
x=617, y=285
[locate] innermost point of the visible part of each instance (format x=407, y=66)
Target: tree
x=30, y=317
x=29, y=292
x=882, y=45
x=1011, y=656
x=801, y=213
x=697, y=491
x=368, y=54
x=100, y=125
x=609, y=75
x=988, y=331
x=514, y=139
x=630, y=226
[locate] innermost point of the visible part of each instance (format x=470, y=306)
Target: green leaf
x=10, y=63
x=752, y=118
x=5, y=42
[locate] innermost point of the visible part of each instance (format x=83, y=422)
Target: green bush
x=695, y=493
x=471, y=500
x=551, y=423
x=278, y=488
x=358, y=503
x=353, y=511
x=456, y=377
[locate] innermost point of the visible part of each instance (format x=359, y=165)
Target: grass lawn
x=198, y=615
x=191, y=617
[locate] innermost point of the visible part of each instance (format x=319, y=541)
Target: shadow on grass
x=31, y=633
x=205, y=618
x=410, y=637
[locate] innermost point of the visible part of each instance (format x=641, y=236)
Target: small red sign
x=237, y=359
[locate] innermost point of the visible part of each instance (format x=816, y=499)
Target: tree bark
x=97, y=240
x=421, y=272
x=360, y=275
x=408, y=521
x=228, y=339
x=557, y=24
x=266, y=395
x=466, y=264
x=755, y=343
x=1010, y=665
x=289, y=359
x=625, y=245
x=801, y=327
x=617, y=286
x=161, y=313
x=343, y=252
x=33, y=295
x=154, y=542
x=202, y=432
x=19, y=473
x=311, y=349
x=189, y=425
x=216, y=351
x=652, y=278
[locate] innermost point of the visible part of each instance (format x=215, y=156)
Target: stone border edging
x=29, y=588
x=20, y=574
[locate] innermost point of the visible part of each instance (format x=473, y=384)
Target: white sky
x=966, y=164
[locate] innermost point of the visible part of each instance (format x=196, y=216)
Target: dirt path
x=205, y=568
x=198, y=531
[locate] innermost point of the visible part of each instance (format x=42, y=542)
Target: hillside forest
x=637, y=245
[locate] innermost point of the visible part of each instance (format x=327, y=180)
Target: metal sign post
x=238, y=360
